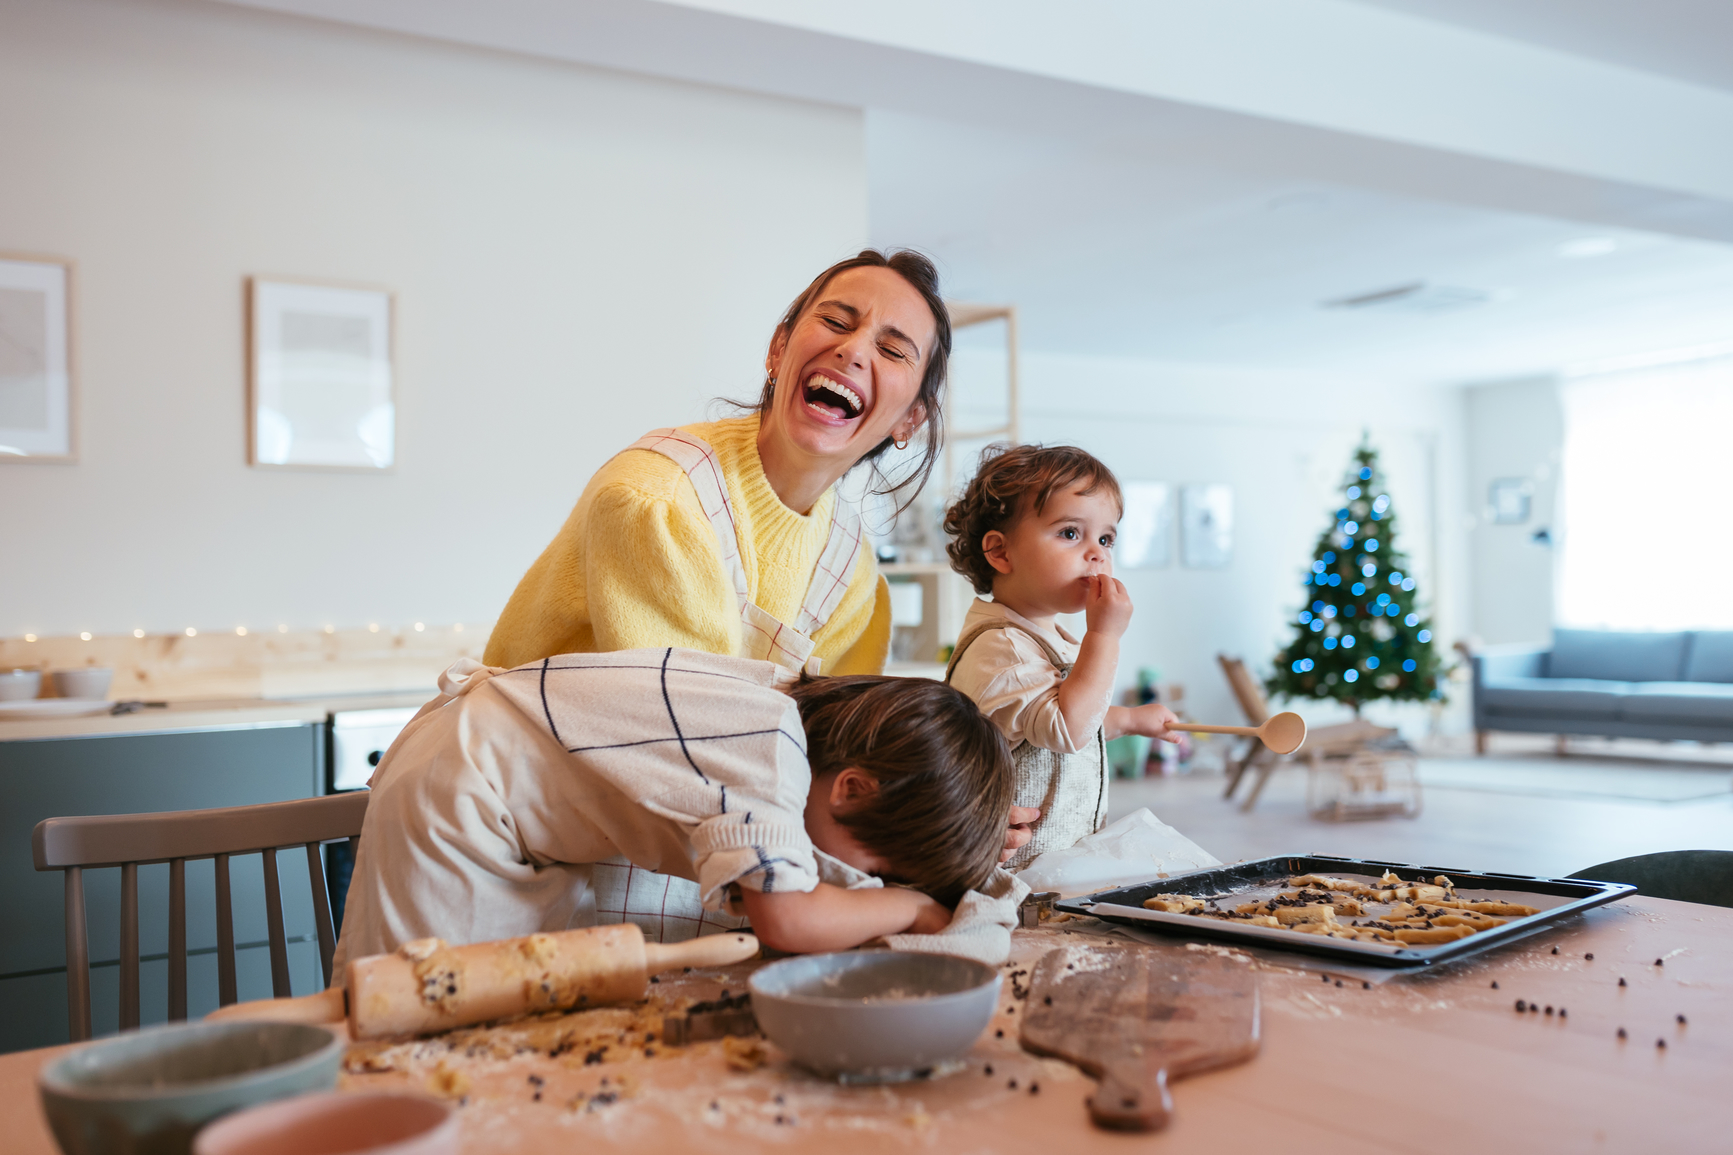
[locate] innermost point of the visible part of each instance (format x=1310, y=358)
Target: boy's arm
x=831, y=918
x=1150, y=719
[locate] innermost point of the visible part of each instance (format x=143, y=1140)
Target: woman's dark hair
x=944, y=774
x=919, y=272
x=1013, y=481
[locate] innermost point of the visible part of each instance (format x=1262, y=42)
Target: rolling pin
x=426, y=986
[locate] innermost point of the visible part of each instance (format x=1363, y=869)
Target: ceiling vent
x=1415, y=297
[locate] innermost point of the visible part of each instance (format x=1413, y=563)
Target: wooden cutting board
x=1137, y=1017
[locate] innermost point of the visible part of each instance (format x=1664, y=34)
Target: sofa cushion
x=1553, y=697
x=1617, y=655
x=1711, y=657
x=1701, y=703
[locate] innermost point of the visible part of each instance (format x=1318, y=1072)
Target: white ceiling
x=1190, y=182
x=1111, y=253
x=1688, y=40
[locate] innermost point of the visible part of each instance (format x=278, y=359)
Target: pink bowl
x=335, y=1123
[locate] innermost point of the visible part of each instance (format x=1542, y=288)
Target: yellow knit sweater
x=636, y=566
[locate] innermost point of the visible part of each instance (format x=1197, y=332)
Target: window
x=1646, y=498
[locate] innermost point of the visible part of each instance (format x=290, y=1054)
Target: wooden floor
x=1522, y=809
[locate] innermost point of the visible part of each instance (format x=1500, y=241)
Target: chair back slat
x=113, y=839
x=321, y=908
x=280, y=985
x=1246, y=690
x=177, y=940
x=129, y=946
x=77, y=959
x=227, y=993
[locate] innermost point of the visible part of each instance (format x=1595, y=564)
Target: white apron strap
x=762, y=636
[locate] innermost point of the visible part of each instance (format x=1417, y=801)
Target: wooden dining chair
x=129, y=841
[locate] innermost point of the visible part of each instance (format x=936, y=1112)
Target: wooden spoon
x=1282, y=733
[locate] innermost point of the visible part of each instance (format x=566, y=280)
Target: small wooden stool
x=1366, y=783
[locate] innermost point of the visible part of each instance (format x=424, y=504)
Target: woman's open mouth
x=832, y=399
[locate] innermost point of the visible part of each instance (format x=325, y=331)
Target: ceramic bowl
x=874, y=1016
x=89, y=682
x=359, y=1124
x=146, y=1092
x=19, y=685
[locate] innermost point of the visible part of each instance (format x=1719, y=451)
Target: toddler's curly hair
x=1015, y=480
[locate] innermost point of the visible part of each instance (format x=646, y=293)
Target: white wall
x=1515, y=432
x=578, y=256
x=1284, y=444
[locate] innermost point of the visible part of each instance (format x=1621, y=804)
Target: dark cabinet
x=122, y=774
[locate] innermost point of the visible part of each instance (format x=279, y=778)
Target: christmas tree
x=1361, y=635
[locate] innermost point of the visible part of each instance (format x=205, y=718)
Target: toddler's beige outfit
x=1012, y=669
x=586, y=788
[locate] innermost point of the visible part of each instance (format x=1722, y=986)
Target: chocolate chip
x=714, y=1106
x=1561, y=1012
x=1034, y=1088
x=1522, y=1004
x=989, y=1070
x=1549, y=1010
x=1326, y=978
x=724, y=993
x=1660, y=962
x=1048, y=1000
x=1621, y=1032
x=1495, y=984
x=655, y=978
x=1661, y=1044
x=1365, y=986
x=998, y=1034
x=1534, y=1008
x=649, y=1052
x=1621, y=982
x=779, y=1118
x=1590, y=956
x=779, y=1100
x=1338, y=982
x=1681, y=1019
x=1555, y=950
x=1012, y=1084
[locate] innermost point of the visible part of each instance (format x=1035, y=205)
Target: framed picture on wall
x=1146, y=530
x=322, y=391
x=1206, y=520
x=36, y=401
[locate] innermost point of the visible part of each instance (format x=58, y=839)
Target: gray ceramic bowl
x=146, y=1092
x=874, y=1016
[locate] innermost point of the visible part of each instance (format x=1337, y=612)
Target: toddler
x=1035, y=530
x=786, y=803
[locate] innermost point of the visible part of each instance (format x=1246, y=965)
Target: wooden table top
x=1432, y=1063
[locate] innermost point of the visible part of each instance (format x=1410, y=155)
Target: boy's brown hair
x=1011, y=482
x=944, y=774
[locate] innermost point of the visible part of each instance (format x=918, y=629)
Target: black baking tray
x=1125, y=907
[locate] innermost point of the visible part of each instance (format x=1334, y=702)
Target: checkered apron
x=761, y=635
x=665, y=907
x=1069, y=789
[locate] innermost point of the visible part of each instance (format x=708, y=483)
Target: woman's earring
x=770, y=381
x=903, y=444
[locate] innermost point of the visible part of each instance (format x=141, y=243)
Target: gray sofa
x=1611, y=684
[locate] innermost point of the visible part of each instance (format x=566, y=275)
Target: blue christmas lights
x=1317, y=607
x=1371, y=545
x=1365, y=473
x=1383, y=599
x=1408, y=584
x=1357, y=589
x=1412, y=620
x=1395, y=577
x=1317, y=624
x=1370, y=569
x=1329, y=643
x=1329, y=557
x=1335, y=579
x=1372, y=663
x=1423, y=636
x=1409, y=665
x=1353, y=491
x=1347, y=641
x=1305, y=616
x=1302, y=666
x=1351, y=676
x=1350, y=528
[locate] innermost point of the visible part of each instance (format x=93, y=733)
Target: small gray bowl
x=874, y=1016
x=147, y=1092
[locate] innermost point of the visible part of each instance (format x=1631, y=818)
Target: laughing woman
x=730, y=536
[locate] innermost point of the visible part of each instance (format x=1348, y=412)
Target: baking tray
x=1557, y=897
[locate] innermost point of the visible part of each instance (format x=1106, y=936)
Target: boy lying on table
x=790, y=802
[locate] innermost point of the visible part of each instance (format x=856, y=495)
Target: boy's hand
x=1106, y=606
x=1020, y=832
x=931, y=916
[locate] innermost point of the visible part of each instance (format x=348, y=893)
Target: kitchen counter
x=1438, y=1062
x=206, y=714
